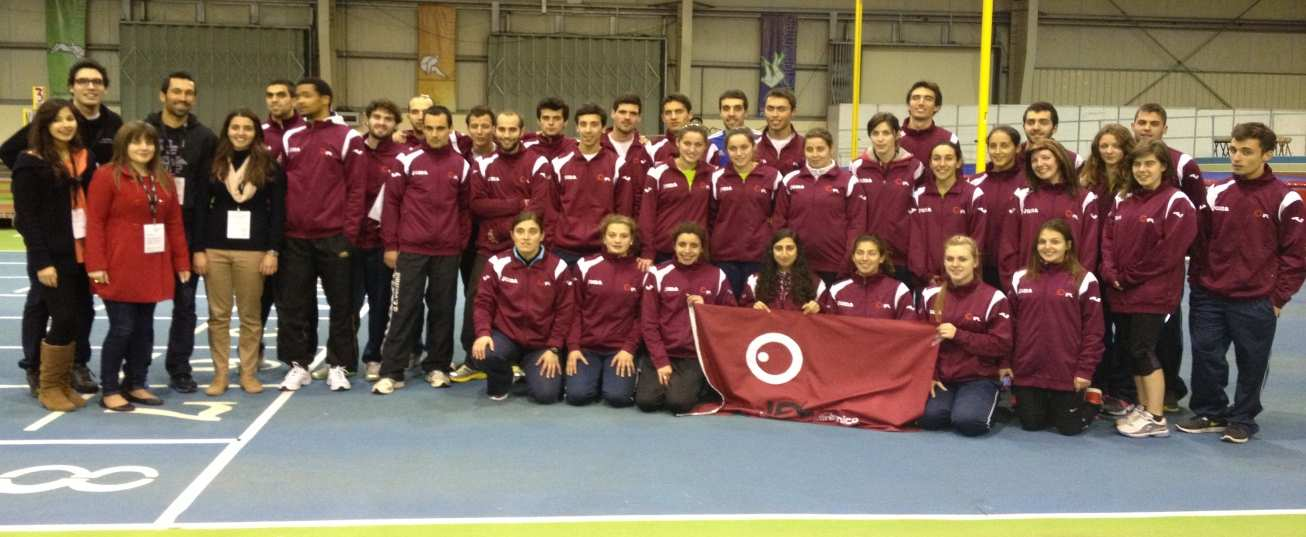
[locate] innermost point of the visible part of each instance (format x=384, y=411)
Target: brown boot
x=56, y=366
x=220, y=378
x=66, y=380
x=249, y=375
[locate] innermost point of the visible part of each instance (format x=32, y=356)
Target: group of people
x=1057, y=275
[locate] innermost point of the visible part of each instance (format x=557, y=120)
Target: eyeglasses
x=89, y=82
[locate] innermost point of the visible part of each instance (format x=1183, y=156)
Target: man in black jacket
x=97, y=125
x=186, y=147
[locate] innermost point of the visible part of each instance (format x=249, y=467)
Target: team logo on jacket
x=958, y=210
x=1064, y=293
x=603, y=179
x=569, y=177
x=594, y=282
x=510, y=279
x=727, y=188
x=1071, y=214
x=672, y=289
x=1144, y=219
x=668, y=185
x=420, y=172
x=492, y=178
x=843, y=304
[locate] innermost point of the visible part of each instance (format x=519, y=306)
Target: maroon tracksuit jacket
x=425, y=207
x=741, y=222
x=324, y=180
x=934, y=218
x=586, y=189
x=550, y=147
x=1143, y=245
x=274, y=131
x=669, y=199
x=789, y=159
x=984, y=332
x=378, y=165
x=508, y=184
x=664, y=310
x=998, y=187
x=826, y=213
x=888, y=190
x=608, y=293
x=878, y=297
x=1028, y=209
x=1059, y=328
x=534, y=305
x=1251, y=240
x=637, y=164
x=1189, y=178
x=920, y=142
x=783, y=299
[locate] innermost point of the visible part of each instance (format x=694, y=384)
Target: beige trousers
x=234, y=271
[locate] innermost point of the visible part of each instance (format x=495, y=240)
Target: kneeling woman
x=524, y=310
x=870, y=292
x=974, y=323
x=605, y=335
x=1058, y=309
x=670, y=377
x=785, y=282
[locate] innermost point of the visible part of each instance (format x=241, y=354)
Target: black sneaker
x=33, y=381
x=1236, y=433
x=183, y=383
x=1202, y=424
x=83, y=381
x=1171, y=403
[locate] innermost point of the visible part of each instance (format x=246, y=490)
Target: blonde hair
x=624, y=220
x=941, y=298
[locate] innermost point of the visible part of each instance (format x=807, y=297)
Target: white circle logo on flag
x=754, y=356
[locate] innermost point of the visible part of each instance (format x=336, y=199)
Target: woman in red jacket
x=524, y=310
x=821, y=203
x=785, y=282
x=1058, y=309
x=871, y=291
x=944, y=205
x=1053, y=192
x=887, y=174
x=675, y=190
x=974, y=324
x=1001, y=179
x=1143, y=247
x=670, y=377
x=743, y=196
x=605, y=335
x=134, y=245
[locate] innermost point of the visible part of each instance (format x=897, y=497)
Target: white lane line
x=202, y=481
x=23, y=290
x=117, y=441
x=12, y=277
x=48, y=418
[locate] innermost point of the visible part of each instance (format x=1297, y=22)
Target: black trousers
x=1039, y=408
x=421, y=281
x=303, y=262
x=1137, y=341
x=37, y=313
x=470, y=268
x=1170, y=351
x=680, y=395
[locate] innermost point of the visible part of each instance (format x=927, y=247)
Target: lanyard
x=152, y=196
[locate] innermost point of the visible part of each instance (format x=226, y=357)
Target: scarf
x=240, y=190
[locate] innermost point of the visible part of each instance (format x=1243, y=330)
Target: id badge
x=238, y=225
x=154, y=238
x=375, y=211
x=79, y=223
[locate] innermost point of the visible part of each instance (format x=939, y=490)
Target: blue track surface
x=423, y=453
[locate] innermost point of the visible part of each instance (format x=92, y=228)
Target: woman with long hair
x=1058, y=314
x=784, y=282
x=49, y=187
x=887, y=174
x=135, y=248
x=973, y=322
x=743, y=196
x=524, y=311
x=1053, y=192
x=676, y=190
x=605, y=336
x=239, y=221
x=670, y=376
x=871, y=291
x=819, y=202
x=944, y=205
x=1000, y=179
x=1143, y=248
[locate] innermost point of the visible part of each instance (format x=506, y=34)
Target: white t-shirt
x=621, y=147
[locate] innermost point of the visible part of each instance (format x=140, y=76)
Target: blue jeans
x=181, y=334
x=1216, y=322
x=127, y=346
x=967, y=406
x=600, y=377
x=372, y=278
x=507, y=353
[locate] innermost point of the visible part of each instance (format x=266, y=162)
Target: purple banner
x=779, y=51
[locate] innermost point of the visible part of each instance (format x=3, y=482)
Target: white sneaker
x=1133, y=413
x=437, y=379
x=373, y=371
x=1146, y=427
x=296, y=378
x=337, y=380
x=387, y=386
x=499, y=397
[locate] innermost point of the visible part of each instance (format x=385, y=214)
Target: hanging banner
x=779, y=51
x=436, y=52
x=65, y=37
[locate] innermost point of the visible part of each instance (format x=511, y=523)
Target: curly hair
x=802, y=287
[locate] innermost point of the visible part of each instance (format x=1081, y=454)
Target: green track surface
x=10, y=241
x=1260, y=526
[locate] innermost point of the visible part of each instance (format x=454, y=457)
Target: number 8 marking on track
x=78, y=479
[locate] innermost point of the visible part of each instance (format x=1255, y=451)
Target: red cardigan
x=116, y=216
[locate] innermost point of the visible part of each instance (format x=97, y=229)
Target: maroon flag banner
x=831, y=369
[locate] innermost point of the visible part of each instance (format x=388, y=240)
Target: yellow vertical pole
x=986, y=65
x=857, y=77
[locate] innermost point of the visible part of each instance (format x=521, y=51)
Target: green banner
x=65, y=35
